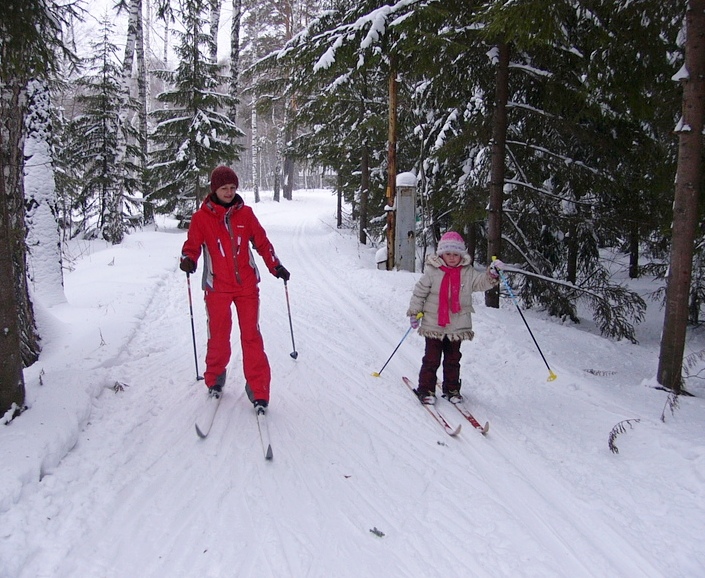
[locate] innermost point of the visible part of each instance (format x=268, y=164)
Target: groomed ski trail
x=147, y=498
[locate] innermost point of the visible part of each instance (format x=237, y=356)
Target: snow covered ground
x=104, y=476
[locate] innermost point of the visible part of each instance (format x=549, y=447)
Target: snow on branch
x=545, y=151
x=547, y=192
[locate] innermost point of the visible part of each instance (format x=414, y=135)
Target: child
x=444, y=296
x=223, y=228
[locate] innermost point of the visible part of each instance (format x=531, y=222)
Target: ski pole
x=193, y=329
x=378, y=373
x=294, y=354
x=551, y=375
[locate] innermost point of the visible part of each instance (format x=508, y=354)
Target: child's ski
x=468, y=416
x=465, y=412
x=435, y=413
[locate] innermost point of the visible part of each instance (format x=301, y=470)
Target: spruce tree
x=193, y=132
x=97, y=136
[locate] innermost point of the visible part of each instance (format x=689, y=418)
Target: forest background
x=544, y=131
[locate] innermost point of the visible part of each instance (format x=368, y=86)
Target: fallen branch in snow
x=672, y=404
x=620, y=428
x=119, y=386
x=599, y=372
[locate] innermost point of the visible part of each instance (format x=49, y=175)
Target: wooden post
x=391, y=165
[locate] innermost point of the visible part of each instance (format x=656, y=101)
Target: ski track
x=153, y=500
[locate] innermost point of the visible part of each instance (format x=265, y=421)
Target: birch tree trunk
x=215, y=26
x=142, y=43
x=364, y=192
x=278, y=154
x=113, y=227
x=685, y=204
x=235, y=58
x=255, y=153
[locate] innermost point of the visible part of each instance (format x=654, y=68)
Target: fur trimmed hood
x=426, y=295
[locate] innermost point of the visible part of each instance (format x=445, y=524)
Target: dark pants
x=435, y=349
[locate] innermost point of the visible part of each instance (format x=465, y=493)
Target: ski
x=263, y=428
x=262, y=425
x=431, y=409
x=205, y=420
x=465, y=412
x=483, y=429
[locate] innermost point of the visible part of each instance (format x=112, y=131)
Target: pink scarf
x=450, y=292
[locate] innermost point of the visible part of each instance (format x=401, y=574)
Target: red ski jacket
x=224, y=235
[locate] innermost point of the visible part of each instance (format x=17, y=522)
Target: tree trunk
x=112, y=206
x=499, y=136
x=288, y=187
x=634, y=248
x=255, y=153
x=685, y=205
x=278, y=156
x=339, y=205
x=43, y=232
x=12, y=103
x=214, y=27
x=571, y=240
x=364, y=192
x=141, y=44
x=235, y=58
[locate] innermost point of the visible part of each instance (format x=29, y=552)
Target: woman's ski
x=263, y=428
x=205, y=420
x=450, y=430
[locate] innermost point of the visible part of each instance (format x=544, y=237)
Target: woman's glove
x=281, y=272
x=187, y=265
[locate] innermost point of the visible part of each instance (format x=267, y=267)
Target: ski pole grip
x=419, y=315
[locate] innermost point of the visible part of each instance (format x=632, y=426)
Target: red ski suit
x=231, y=276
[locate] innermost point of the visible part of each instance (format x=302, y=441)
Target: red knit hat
x=223, y=175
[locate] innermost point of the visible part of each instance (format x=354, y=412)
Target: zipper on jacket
x=220, y=247
x=236, y=246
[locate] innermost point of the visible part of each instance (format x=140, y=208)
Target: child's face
x=451, y=259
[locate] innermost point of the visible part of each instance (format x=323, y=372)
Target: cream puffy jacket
x=426, y=295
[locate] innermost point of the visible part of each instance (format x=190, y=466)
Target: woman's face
x=226, y=193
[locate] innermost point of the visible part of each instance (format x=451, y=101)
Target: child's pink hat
x=451, y=242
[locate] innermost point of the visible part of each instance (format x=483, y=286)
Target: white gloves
x=495, y=268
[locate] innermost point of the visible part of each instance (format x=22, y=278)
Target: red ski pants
x=435, y=349
x=254, y=360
